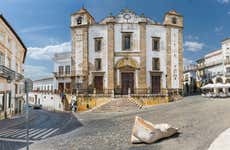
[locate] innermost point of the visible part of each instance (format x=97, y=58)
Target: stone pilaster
x=168, y=67
x=73, y=59
x=180, y=54
x=110, y=57
x=142, y=72
x=85, y=64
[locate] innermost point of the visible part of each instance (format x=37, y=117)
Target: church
x=127, y=53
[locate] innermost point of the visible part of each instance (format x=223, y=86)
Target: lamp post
x=28, y=88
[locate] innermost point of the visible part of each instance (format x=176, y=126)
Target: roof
x=82, y=11
x=19, y=39
x=43, y=79
x=225, y=39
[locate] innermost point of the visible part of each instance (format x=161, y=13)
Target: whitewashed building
x=44, y=85
x=190, y=79
x=127, y=52
x=214, y=67
x=62, y=72
x=43, y=94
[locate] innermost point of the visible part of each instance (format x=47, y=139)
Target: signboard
x=28, y=85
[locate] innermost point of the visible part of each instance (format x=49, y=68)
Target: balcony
x=190, y=68
x=207, y=65
x=6, y=72
x=62, y=75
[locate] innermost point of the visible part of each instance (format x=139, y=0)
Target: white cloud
x=223, y=1
x=191, y=37
x=36, y=72
x=193, y=46
x=46, y=53
x=187, y=61
x=37, y=28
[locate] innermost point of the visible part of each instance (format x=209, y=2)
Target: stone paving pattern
x=200, y=121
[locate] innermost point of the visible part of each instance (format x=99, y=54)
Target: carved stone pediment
x=127, y=16
x=127, y=62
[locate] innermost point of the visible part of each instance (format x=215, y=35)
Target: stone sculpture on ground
x=146, y=132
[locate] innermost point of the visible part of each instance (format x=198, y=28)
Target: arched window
x=79, y=20
x=174, y=20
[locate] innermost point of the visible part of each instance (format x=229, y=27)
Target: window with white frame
x=228, y=70
x=2, y=58
x=67, y=69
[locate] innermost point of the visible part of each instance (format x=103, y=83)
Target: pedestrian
x=75, y=106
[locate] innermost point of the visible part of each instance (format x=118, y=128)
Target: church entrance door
x=127, y=81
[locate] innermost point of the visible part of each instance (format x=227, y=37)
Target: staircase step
x=117, y=105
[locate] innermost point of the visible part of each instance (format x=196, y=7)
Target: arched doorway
x=219, y=80
x=126, y=76
x=227, y=81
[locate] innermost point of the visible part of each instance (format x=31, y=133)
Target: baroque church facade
x=128, y=53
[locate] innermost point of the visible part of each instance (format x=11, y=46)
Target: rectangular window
x=16, y=67
x=98, y=42
x=156, y=64
x=61, y=70
x=9, y=62
x=126, y=41
x=156, y=43
x=1, y=102
x=9, y=97
x=67, y=69
x=228, y=70
x=2, y=37
x=2, y=59
x=16, y=89
x=97, y=64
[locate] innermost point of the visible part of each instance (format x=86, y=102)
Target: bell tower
x=80, y=22
x=173, y=22
x=172, y=18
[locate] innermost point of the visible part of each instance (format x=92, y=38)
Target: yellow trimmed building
x=12, y=58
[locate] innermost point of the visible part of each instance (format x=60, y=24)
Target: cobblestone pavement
x=200, y=121
x=43, y=124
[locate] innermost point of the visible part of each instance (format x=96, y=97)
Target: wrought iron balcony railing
x=62, y=74
x=6, y=72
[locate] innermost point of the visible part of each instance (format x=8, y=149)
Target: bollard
x=94, y=92
x=129, y=92
x=112, y=95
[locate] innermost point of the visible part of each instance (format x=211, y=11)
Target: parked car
x=37, y=106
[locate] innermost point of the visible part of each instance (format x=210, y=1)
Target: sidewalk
x=15, y=120
x=222, y=141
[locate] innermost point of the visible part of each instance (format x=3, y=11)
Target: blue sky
x=43, y=25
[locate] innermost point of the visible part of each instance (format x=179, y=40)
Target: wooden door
x=156, y=84
x=60, y=87
x=127, y=81
x=98, y=84
x=67, y=86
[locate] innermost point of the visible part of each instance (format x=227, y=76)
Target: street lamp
x=166, y=81
x=9, y=79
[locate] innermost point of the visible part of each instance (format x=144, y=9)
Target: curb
x=222, y=141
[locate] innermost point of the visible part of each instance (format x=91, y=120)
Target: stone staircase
x=118, y=105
